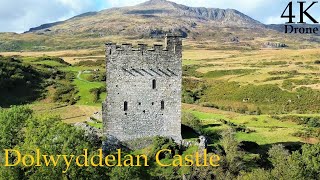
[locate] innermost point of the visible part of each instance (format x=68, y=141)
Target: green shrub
x=96, y=77
x=220, y=73
x=90, y=63
x=243, y=109
x=209, y=104
x=65, y=92
x=55, y=59
x=270, y=63
x=191, y=120
x=190, y=70
x=275, y=117
x=287, y=84
x=160, y=143
x=192, y=90
x=90, y=78
x=96, y=92
x=223, y=121
x=293, y=72
x=306, y=120
x=69, y=76
x=277, y=78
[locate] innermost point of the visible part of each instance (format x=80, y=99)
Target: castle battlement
x=173, y=44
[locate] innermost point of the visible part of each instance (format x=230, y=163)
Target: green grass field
x=84, y=92
x=260, y=67
x=267, y=130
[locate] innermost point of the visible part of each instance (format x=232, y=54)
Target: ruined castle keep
x=143, y=90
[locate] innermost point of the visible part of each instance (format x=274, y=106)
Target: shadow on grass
x=211, y=125
x=188, y=133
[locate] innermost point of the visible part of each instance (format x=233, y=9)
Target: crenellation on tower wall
x=172, y=44
x=126, y=47
x=158, y=47
x=144, y=90
x=142, y=47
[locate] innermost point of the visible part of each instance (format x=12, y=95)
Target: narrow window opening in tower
x=154, y=84
x=125, y=106
x=109, y=51
x=162, y=105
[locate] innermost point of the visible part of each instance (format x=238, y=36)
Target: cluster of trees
x=21, y=130
x=310, y=121
x=22, y=82
x=277, y=162
x=19, y=82
x=302, y=164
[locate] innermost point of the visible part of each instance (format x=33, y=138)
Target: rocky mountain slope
x=210, y=28
x=148, y=19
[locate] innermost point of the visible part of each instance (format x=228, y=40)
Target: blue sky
x=20, y=15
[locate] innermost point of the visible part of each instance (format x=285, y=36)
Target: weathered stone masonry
x=143, y=90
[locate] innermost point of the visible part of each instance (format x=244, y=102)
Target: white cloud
x=119, y=3
x=77, y=5
x=20, y=15
x=274, y=20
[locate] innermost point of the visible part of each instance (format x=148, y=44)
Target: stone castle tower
x=143, y=90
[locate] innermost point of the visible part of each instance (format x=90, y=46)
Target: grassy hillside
x=276, y=81
x=205, y=28
x=20, y=83
x=246, y=101
x=262, y=90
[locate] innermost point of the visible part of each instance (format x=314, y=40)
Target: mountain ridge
x=209, y=28
x=164, y=9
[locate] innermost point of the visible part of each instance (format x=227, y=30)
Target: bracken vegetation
x=19, y=82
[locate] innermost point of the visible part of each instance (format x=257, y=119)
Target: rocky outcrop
x=203, y=142
x=274, y=45
x=94, y=134
x=201, y=13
